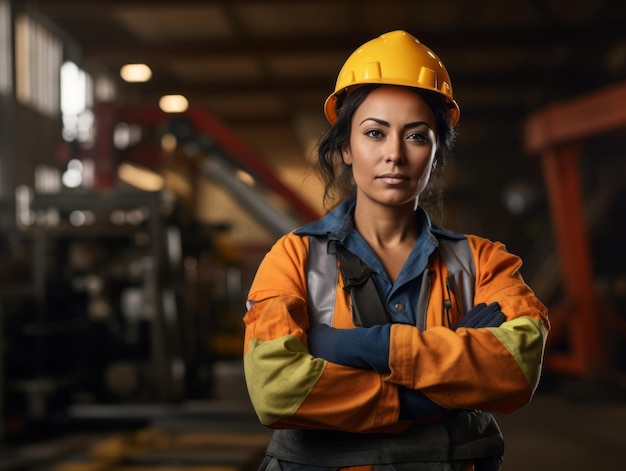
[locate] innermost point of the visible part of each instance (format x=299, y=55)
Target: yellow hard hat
x=395, y=58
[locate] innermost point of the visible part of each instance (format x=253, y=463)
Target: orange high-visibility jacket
x=493, y=369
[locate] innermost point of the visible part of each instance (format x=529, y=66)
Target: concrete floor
x=568, y=426
x=567, y=430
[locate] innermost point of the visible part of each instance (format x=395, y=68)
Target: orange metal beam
x=562, y=176
x=576, y=120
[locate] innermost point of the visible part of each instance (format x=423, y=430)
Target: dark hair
x=337, y=176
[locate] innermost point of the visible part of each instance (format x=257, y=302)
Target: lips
x=393, y=178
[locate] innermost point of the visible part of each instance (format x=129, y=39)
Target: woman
x=343, y=390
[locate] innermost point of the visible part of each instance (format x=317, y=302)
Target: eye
x=418, y=137
x=374, y=133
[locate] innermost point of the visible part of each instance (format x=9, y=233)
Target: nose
x=394, y=150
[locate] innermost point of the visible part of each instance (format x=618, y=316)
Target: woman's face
x=392, y=147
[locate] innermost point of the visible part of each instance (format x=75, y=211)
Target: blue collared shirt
x=401, y=297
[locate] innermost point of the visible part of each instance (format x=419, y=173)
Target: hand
x=360, y=347
x=482, y=315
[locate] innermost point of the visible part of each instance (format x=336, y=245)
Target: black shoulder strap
x=367, y=306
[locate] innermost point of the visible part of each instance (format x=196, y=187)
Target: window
x=6, y=69
x=76, y=104
x=38, y=56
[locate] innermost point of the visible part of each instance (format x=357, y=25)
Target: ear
x=346, y=155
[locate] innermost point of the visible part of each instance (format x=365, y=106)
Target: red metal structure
x=205, y=123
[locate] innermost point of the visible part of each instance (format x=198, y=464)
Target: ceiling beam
x=91, y=8
x=582, y=39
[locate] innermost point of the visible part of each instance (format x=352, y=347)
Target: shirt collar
x=336, y=224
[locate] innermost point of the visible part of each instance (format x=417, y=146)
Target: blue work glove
x=482, y=315
x=360, y=347
x=415, y=405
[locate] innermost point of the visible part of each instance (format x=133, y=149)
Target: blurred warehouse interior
x=130, y=232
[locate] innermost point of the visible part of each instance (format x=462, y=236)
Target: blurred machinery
x=116, y=295
x=111, y=311
x=580, y=143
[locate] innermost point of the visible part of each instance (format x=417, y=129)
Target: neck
x=386, y=226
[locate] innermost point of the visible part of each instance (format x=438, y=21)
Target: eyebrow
x=382, y=122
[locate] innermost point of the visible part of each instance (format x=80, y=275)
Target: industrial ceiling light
x=136, y=73
x=173, y=103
